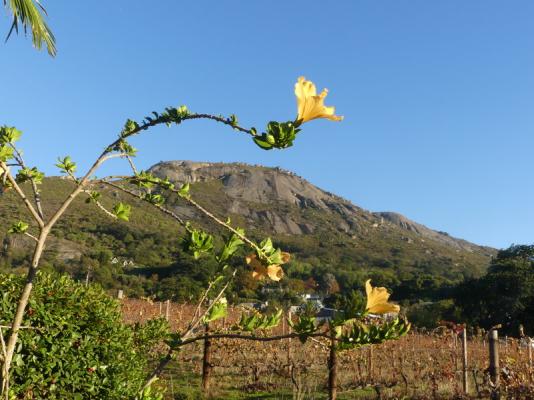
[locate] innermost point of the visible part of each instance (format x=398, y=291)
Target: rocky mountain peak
x=244, y=187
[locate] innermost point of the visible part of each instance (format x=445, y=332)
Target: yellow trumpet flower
x=260, y=271
x=310, y=105
x=377, y=300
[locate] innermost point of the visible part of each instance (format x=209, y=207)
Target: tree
x=30, y=14
x=505, y=295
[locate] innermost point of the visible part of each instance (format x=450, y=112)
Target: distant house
x=314, y=299
x=259, y=306
x=325, y=314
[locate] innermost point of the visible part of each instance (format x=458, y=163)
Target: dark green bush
x=75, y=345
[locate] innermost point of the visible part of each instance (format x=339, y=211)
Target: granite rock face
x=285, y=203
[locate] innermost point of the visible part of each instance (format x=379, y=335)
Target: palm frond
x=30, y=14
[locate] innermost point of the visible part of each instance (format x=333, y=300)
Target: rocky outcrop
x=246, y=186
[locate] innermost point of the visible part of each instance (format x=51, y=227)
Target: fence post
x=289, y=360
x=530, y=343
x=206, y=362
x=494, y=369
x=370, y=364
x=167, y=309
x=332, y=370
x=464, y=360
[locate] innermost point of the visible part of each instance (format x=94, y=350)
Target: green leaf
x=197, y=242
x=9, y=134
x=279, y=135
x=129, y=128
x=66, y=165
x=184, y=191
x=94, y=196
x=230, y=247
x=26, y=174
x=217, y=311
x=122, y=211
x=6, y=153
x=18, y=227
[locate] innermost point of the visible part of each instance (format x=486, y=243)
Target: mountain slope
x=283, y=204
x=325, y=233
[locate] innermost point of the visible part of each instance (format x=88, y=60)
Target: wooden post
x=206, y=362
x=332, y=370
x=494, y=369
x=167, y=309
x=370, y=364
x=289, y=360
x=464, y=360
x=530, y=342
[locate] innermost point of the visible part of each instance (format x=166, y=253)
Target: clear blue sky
x=438, y=96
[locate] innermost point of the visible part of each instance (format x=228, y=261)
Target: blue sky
x=437, y=96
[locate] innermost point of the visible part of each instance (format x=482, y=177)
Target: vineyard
x=420, y=365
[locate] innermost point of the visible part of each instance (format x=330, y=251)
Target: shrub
x=74, y=344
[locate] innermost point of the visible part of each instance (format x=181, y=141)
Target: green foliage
x=122, y=211
x=197, y=242
x=27, y=174
x=350, y=305
x=218, y=310
x=271, y=254
x=251, y=322
x=305, y=325
x=94, y=196
x=126, y=148
x=6, y=153
x=156, y=199
x=18, y=227
x=279, y=135
x=171, y=115
x=9, y=134
x=66, y=165
x=360, y=334
x=76, y=345
x=230, y=247
x=505, y=295
x=30, y=14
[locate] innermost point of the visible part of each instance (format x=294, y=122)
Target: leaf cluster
x=279, y=135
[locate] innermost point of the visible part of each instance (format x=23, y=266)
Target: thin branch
x=217, y=298
x=252, y=337
x=36, y=194
x=31, y=236
x=159, y=207
x=222, y=121
x=22, y=195
x=132, y=165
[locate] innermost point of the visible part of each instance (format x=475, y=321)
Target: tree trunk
x=21, y=307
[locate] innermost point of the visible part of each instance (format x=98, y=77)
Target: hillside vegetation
x=327, y=236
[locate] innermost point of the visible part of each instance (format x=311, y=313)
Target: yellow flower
x=310, y=105
x=260, y=271
x=377, y=300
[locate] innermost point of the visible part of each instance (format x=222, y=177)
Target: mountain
x=306, y=218
x=324, y=232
